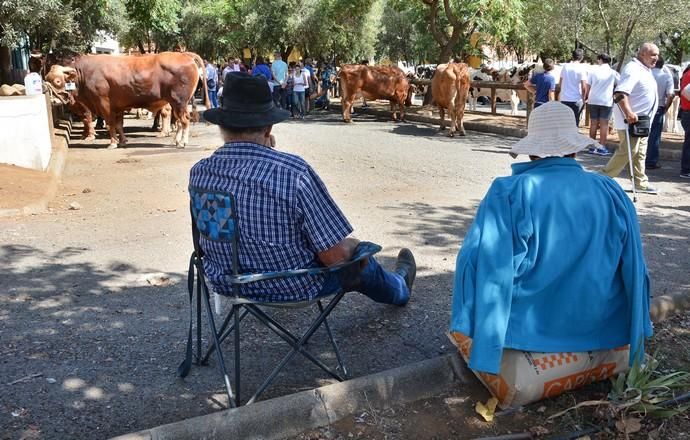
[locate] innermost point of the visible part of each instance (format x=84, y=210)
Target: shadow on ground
x=103, y=345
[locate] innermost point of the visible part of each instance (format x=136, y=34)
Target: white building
x=105, y=44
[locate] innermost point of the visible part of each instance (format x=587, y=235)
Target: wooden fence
x=493, y=85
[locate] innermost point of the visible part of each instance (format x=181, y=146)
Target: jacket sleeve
x=636, y=281
x=487, y=257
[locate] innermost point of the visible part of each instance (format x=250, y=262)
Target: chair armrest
x=364, y=250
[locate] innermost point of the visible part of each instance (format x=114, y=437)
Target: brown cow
x=374, y=82
x=109, y=85
x=449, y=87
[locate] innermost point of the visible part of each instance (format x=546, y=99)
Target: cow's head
x=58, y=77
x=61, y=75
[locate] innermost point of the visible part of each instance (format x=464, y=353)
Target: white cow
x=475, y=92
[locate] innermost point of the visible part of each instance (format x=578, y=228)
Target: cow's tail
x=200, y=64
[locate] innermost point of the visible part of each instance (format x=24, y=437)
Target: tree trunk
x=141, y=46
x=626, y=41
x=446, y=52
x=5, y=66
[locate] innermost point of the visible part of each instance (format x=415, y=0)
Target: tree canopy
x=351, y=30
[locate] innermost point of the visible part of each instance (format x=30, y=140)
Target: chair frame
x=242, y=306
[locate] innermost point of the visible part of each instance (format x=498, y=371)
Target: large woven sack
x=526, y=377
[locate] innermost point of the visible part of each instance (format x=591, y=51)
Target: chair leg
x=298, y=347
x=224, y=332
x=288, y=337
x=211, y=322
x=198, y=325
x=238, y=318
x=335, y=344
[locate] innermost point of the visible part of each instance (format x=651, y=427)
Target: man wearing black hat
x=287, y=219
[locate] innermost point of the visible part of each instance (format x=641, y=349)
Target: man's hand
x=339, y=253
x=624, y=104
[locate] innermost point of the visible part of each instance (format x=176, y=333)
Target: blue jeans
x=213, y=97
x=576, y=107
x=298, y=102
x=685, y=158
x=375, y=282
x=655, y=138
x=279, y=96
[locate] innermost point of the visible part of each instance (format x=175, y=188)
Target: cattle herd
x=108, y=86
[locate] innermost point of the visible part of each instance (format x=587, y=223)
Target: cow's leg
x=452, y=112
x=401, y=105
x=183, y=123
x=442, y=114
x=165, y=115
x=112, y=122
x=460, y=113
x=121, y=128
x=89, y=130
x=514, y=102
x=347, y=105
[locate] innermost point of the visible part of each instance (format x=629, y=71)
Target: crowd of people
x=638, y=98
x=297, y=86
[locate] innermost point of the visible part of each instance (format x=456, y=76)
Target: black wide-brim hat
x=247, y=102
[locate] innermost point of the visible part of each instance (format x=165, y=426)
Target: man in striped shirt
x=286, y=217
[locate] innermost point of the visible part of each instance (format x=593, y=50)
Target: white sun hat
x=552, y=133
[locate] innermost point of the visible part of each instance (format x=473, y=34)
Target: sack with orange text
x=526, y=377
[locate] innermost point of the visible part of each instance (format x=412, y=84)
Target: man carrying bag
x=636, y=96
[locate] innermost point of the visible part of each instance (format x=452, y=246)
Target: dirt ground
x=94, y=310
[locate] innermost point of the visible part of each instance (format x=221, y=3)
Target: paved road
x=90, y=348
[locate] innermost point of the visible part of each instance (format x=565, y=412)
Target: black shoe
x=656, y=166
x=406, y=267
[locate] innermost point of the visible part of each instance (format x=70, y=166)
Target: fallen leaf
x=158, y=280
x=630, y=425
x=74, y=206
x=487, y=410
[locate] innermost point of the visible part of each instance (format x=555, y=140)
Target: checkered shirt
x=285, y=218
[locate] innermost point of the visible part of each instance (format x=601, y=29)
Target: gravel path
x=90, y=348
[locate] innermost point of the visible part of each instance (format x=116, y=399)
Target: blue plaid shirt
x=285, y=217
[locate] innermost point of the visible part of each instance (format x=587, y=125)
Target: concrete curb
x=56, y=166
x=295, y=413
x=670, y=151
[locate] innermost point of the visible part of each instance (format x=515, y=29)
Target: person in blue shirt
x=543, y=84
x=553, y=261
x=260, y=68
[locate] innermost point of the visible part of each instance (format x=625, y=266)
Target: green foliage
x=153, y=23
x=213, y=29
x=643, y=388
x=60, y=24
x=403, y=35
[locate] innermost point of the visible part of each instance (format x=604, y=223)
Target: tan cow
x=374, y=82
x=450, y=87
x=109, y=85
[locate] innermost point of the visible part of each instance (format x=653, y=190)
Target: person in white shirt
x=574, y=84
x=300, y=83
x=599, y=97
x=636, y=94
x=666, y=94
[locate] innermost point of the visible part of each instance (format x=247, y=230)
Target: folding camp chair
x=214, y=217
